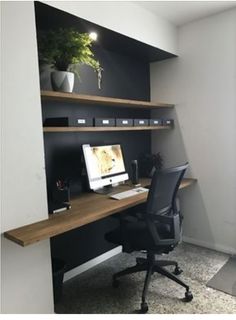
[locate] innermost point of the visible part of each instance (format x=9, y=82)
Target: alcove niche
x=126, y=75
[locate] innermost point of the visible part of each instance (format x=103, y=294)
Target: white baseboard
x=91, y=263
x=213, y=246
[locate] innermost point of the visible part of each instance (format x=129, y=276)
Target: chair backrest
x=161, y=202
x=163, y=189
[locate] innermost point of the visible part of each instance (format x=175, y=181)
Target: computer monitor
x=105, y=166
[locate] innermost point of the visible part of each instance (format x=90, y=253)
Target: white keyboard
x=129, y=193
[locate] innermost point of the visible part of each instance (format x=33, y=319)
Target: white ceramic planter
x=62, y=81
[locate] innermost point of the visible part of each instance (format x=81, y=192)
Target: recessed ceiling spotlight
x=93, y=36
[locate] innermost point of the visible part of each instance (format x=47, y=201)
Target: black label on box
x=155, y=122
x=104, y=122
x=168, y=122
x=141, y=122
x=84, y=122
x=124, y=122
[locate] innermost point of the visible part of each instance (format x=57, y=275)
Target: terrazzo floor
x=92, y=292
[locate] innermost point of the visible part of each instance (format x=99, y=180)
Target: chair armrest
x=172, y=221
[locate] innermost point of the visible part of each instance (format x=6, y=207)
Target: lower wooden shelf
x=86, y=208
x=96, y=129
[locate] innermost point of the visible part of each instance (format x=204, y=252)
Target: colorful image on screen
x=107, y=160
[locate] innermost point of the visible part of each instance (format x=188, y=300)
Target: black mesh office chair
x=156, y=230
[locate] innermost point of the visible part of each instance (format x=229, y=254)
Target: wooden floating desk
x=87, y=208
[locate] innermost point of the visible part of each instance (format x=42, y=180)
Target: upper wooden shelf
x=86, y=208
x=87, y=99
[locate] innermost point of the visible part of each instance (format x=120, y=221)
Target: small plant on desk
x=148, y=163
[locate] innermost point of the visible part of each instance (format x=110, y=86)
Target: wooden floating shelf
x=96, y=129
x=86, y=208
x=105, y=101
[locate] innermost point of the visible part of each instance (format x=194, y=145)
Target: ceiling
x=181, y=12
x=48, y=17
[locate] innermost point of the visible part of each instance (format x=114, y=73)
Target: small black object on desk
x=134, y=173
x=56, y=207
x=60, y=197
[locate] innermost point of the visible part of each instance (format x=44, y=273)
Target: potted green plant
x=65, y=50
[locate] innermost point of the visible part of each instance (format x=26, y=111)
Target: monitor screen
x=103, y=163
x=106, y=160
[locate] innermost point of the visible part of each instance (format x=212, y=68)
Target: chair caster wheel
x=115, y=283
x=144, y=307
x=188, y=296
x=177, y=271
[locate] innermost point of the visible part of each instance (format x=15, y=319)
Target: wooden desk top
x=87, y=208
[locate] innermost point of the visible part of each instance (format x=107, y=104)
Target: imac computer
x=105, y=166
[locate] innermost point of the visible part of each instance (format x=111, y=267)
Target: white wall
x=127, y=18
x=26, y=281
x=202, y=83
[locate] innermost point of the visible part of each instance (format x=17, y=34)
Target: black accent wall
x=124, y=76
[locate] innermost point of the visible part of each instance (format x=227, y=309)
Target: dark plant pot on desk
x=148, y=163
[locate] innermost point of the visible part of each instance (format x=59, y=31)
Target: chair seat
x=136, y=236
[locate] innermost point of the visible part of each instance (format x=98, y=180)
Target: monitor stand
x=106, y=189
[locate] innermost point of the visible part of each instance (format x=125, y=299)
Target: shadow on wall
x=196, y=224
x=171, y=145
